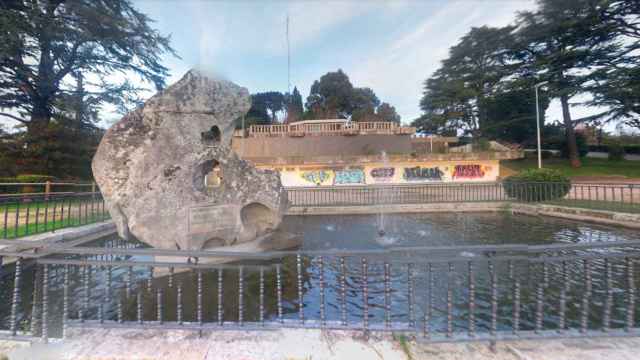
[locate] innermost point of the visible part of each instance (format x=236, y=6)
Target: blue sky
x=390, y=46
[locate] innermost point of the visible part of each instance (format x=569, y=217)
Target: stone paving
x=296, y=344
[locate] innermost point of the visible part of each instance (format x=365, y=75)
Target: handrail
x=329, y=128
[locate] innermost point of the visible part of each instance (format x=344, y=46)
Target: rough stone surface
x=151, y=168
x=305, y=344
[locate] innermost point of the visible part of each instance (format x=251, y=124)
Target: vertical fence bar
x=563, y=298
x=584, y=313
x=65, y=301
x=262, y=295
x=35, y=302
x=494, y=299
x=139, y=312
x=387, y=295
x=365, y=296
x=199, y=298
x=240, y=296
x=15, y=299
x=631, y=295
x=17, y=220
x=472, y=296
x=450, y=300
x=179, y=303
x=220, y=309
x=26, y=225
x=606, y=316
x=343, y=291
x=410, y=296
x=539, y=304
x=429, y=305
x=323, y=320
x=6, y=219
x=45, y=303
x=299, y=276
x=159, y=305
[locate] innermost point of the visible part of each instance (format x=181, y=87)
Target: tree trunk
x=574, y=156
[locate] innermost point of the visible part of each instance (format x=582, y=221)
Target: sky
x=390, y=46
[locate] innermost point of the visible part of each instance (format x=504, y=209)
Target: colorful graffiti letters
x=468, y=172
x=383, y=174
x=421, y=174
x=316, y=176
x=345, y=177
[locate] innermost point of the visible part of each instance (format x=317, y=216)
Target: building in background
x=338, y=152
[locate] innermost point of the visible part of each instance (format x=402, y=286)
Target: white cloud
x=398, y=70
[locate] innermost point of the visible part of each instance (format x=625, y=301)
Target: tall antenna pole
x=288, y=59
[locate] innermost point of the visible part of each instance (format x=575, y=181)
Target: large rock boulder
x=170, y=178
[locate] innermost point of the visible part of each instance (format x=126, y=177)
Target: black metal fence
x=615, y=197
x=23, y=215
x=435, y=294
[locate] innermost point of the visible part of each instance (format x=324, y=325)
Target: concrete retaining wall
x=593, y=216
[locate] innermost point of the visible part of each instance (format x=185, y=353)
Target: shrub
x=481, y=144
x=546, y=154
x=537, y=185
x=581, y=143
x=24, y=179
x=616, y=152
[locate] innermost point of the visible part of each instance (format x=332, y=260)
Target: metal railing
x=433, y=293
x=614, y=197
x=24, y=215
x=44, y=188
x=330, y=128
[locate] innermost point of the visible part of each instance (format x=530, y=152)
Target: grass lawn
x=590, y=167
x=51, y=225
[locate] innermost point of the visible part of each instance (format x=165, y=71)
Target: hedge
x=628, y=149
x=537, y=185
x=30, y=178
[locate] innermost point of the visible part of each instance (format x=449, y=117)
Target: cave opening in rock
x=212, y=174
x=259, y=217
x=212, y=136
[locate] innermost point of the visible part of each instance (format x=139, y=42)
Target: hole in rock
x=212, y=174
x=212, y=136
x=259, y=217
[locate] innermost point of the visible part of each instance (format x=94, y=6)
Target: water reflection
x=427, y=296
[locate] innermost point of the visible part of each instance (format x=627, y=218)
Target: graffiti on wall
x=351, y=176
x=423, y=174
x=468, y=172
x=316, y=177
x=384, y=174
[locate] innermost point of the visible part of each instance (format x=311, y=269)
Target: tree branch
x=14, y=118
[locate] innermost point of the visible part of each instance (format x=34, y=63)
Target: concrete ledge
x=399, y=208
x=69, y=233
x=73, y=236
x=588, y=215
x=564, y=212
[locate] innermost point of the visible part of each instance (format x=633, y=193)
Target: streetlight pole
x=537, y=86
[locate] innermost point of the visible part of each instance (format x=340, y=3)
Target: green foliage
x=455, y=97
x=616, y=152
x=295, y=108
x=581, y=143
x=334, y=96
x=546, y=154
x=537, y=185
x=481, y=144
x=12, y=189
x=388, y=113
x=48, y=47
x=511, y=116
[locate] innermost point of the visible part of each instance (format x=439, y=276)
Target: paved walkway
x=306, y=345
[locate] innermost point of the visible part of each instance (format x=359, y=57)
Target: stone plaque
x=212, y=218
